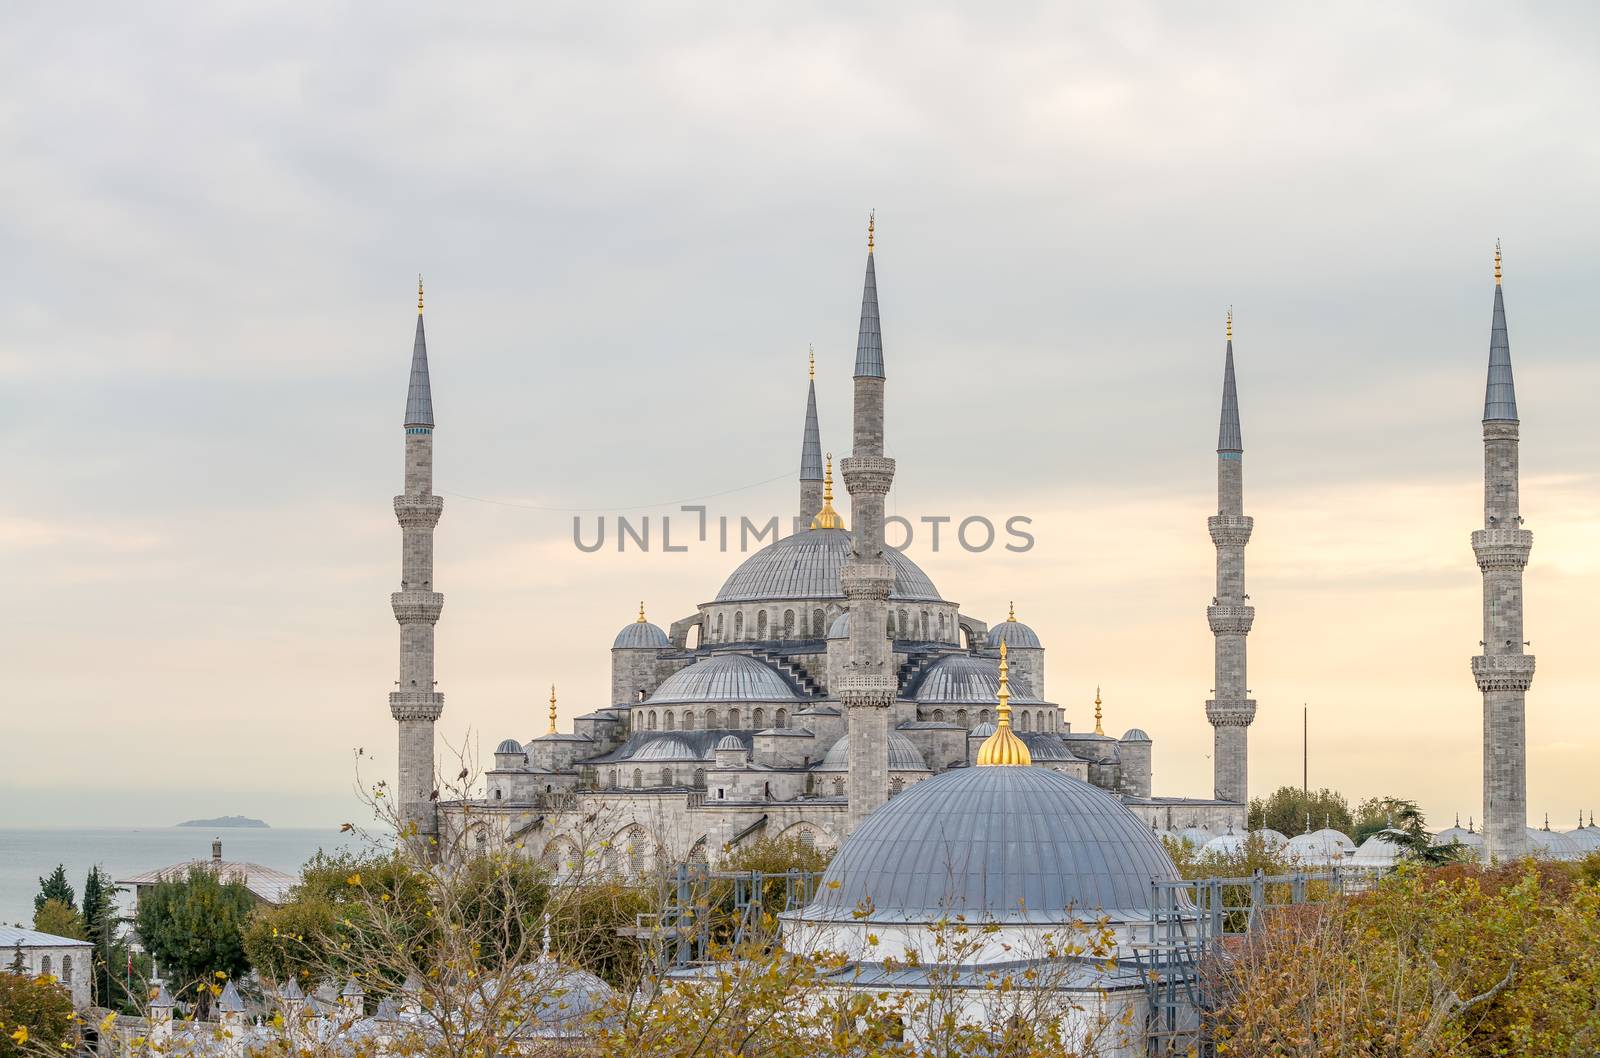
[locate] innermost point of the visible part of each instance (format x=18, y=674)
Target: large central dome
x=806, y=566
x=1004, y=844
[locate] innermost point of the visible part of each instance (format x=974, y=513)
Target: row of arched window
x=66, y=967
x=688, y=719
x=1024, y=719
x=615, y=777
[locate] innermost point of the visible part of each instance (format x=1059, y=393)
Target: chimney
x=216, y=850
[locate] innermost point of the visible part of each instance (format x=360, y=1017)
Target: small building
x=67, y=959
x=267, y=885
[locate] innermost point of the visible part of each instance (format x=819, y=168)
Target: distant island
x=225, y=821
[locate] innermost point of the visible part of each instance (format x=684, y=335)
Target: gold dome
x=1003, y=747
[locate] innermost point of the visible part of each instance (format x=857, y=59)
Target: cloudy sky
x=634, y=220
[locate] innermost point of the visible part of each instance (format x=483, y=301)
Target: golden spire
x=813, y=354
x=1012, y=616
x=552, y=708
x=641, y=612
x=827, y=518
x=1097, y=728
x=1230, y=323
x=1497, y=262
x=872, y=221
x=419, y=293
x=1003, y=747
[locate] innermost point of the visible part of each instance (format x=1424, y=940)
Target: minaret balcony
x=1503, y=672
x=416, y=705
x=1230, y=530
x=868, y=690
x=417, y=607
x=867, y=475
x=1231, y=714
x=866, y=580
x=418, y=512
x=1231, y=620
x=1502, y=548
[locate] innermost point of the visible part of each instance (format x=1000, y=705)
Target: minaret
x=1503, y=671
x=1230, y=710
x=868, y=688
x=416, y=705
x=810, y=456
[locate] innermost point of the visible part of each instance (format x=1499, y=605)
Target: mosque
x=826, y=676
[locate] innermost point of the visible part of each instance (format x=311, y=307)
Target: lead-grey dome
x=640, y=634
x=730, y=743
x=510, y=745
x=903, y=755
x=1135, y=734
x=840, y=629
x=806, y=566
x=962, y=679
x=1014, y=634
x=724, y=678
x=1014, y=844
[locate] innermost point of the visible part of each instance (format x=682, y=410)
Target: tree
x=55, y=887
x=56, y=918
x=112, y=954
x=35, y=1016
x=191, y=926
x=1290, y=811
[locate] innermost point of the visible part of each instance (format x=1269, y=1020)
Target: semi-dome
x=840, y=629
x=640, y=633
x=962, y=679
x=1014, y=634
x=983, y=730
x=903, y=755
x=1044, y=747
x=1014, y=844
x=806, y=565
x=666, y=747
x=510, y=745
x=724, y=678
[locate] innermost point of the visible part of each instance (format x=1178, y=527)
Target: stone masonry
x=1503, y=671
x=1230, y=710
x=415, y=705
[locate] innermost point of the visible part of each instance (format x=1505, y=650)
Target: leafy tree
x=57, y=918
x=35, y=1016
x=112, y=953
x=1288, y=810
x=55, y=887
x=191, y=926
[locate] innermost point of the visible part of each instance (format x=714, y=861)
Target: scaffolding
x=705, y=912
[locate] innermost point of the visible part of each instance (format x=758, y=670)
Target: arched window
x=691, y=638
x=896, y=784
x=738, y=625
x=783, y=718
x=733, y=717
x=611, y=778
x=650, y=721
x=817, y=631
x=638, y=779
x=636, y=853
x=761, y=625
x=666, y=720
x=700, y=783
x=719, y=627
x=961, y=717
x=688, y=719
x=666, y=776
x=758, y=719
x=924, y=624
x=66, y=969
x=938, y=716
x=808, y=838
x=788, y=624
x=890, y=624
x=906, y=631
x=983, y=716
x=838, y=786
x=1022, y=721
x=711, y=719
x=44, y=966
x=941, y=624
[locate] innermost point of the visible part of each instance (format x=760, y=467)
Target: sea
x=30, y=853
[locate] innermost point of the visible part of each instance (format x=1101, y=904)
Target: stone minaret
x=1503, y=671
x=868, y=688
x=415, y=705
x=1230, y=710
x=810, y=457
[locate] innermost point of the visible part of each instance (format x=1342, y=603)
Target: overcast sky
x=634, y=220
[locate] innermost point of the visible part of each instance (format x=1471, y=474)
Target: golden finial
x=1003, y=747
x=1097, y=728
x=552, y=708
x=1230, y=323
x=419, y=293
x=641, y=612
x=1012, y=616
x=872, y=222
x=827, y=518
x=1497, y=262
x=813, y=354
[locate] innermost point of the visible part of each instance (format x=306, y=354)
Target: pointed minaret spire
x=869, y=343
x=419, y=397
x=552, y=709
x=1504, y=671
x=811, y=455
x=1229, y=438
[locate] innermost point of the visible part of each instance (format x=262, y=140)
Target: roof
x=659, y=746
x=1013, y=633
x=903, y=755
x=11, y=936
x=965, y=679
x=419, y=397
x=869, y=341
x=1229, y=438
x=1500, y=394
x=1134, y=734
x=811, y=440
x=264, y=882
x=510, y=745
x=724, y=678
x=229, y=1002
x=640, y=634
x=1011, y=843
x=730, y=743
x=806, y=565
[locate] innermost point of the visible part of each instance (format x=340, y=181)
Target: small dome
x=1379, y=850
x=1014, y=634
x=1134, y=734
x=1458, y=835
x=510, y=745
x=1271, y=838
x=725, y=678
x=636, y=634
x=730, y=743
x=962, y=679
x=1229, y=844
x=1585, y=838
x=1013, y=844
x=1199, y=837
x=840, y=629
x=1044, y=746
x=1321, y=846
x=903, y=755
x=983, y=730
x=1551, y=845
x=806, y=565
